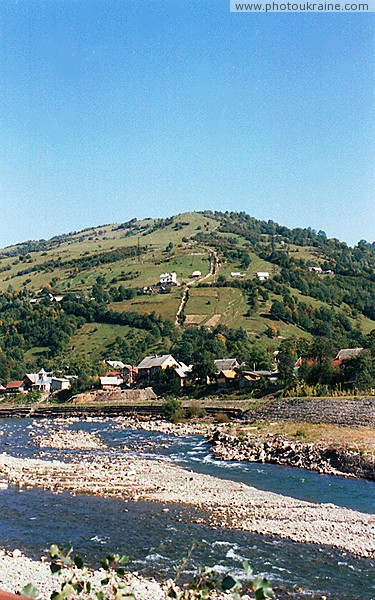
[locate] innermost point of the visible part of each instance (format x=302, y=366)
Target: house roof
x=346, y=353
x=230, y=374
x=14, y=384
x=115, y=364
x=156, y=361
x=225, y=364
x=251, y=377
x=110, y=381
x=32, y=377
x=181, y=372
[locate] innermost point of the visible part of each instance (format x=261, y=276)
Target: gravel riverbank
x=16, y=571
x=226, y=503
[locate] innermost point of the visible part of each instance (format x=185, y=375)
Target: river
x=157, y=538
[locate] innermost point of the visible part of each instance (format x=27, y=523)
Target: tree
x=4, y=368
x=204, y=367
x=278, y=311
x=287, y=358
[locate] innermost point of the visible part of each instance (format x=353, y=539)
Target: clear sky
x=114, y=109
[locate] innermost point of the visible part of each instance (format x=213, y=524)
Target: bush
x=195, y=409
x=173, y=410
x=221, y=418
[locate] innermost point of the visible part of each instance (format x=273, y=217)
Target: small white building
x=196, y=274
x=235, y=274
x=60, y=383
x=111, y=383
x=168, y=279
x=263, y=275
x=316, y=269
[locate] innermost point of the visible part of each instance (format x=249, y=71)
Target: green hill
x=102, y=272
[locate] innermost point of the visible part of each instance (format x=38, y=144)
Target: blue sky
x=114, y=109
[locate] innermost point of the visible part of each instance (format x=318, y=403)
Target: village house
x=15, y=387
x=225, y=364
x=316, y=269
x=248, y=380
x=129, y=373
x=38, y=382
x=346, y=354
x=151, y=365
x=168, y=279
x=60, y=383
x=226, y=379
x=263, y=275
x=196, y=274
x=111, y=382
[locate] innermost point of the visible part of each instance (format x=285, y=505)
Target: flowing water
x=158, y=537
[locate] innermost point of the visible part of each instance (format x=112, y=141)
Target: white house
x=38, y=381
x=60, y=383
x=168, y=279
x=110, y=383
x=263, y=275
x=196, y=274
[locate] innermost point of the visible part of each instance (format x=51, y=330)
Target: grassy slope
x=186, y=256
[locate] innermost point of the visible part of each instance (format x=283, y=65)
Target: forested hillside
x=85, y=296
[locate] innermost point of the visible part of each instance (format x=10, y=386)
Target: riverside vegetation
x=114, y=583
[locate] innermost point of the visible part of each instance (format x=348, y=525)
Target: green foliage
x=173, y=410
x=76, y=580
x=195, y=409
x=207, y=581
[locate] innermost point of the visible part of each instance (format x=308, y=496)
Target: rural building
x=128, y=372
x=263, y=275
x=226, y=379
x=37, y=382
x=248, y=380
x=316, y=269
x=236, y=274
x=346, y=354
x=150, y=364
x=196, y=274
x=168, y=279
x=111, y=382
x=15, y=387
x=225, y=364
x=60, y=383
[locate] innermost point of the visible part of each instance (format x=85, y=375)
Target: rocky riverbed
x=313, y=456
x=17, y=570
x=225, y=503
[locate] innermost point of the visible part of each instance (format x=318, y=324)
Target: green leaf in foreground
x=30, y=591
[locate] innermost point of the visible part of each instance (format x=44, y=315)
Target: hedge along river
x=157, y=537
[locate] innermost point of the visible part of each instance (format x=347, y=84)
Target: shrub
x=173, y=410
x=195, y=409
x=221, y=418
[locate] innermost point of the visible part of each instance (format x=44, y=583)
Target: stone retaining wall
x=351, y=412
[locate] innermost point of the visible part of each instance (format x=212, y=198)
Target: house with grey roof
x=225, y=364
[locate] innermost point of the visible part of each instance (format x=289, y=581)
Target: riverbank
x=17, y=571
x=224, y=503
x=333, y=450
x=328, y=435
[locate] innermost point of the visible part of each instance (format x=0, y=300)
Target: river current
x=157, y=537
